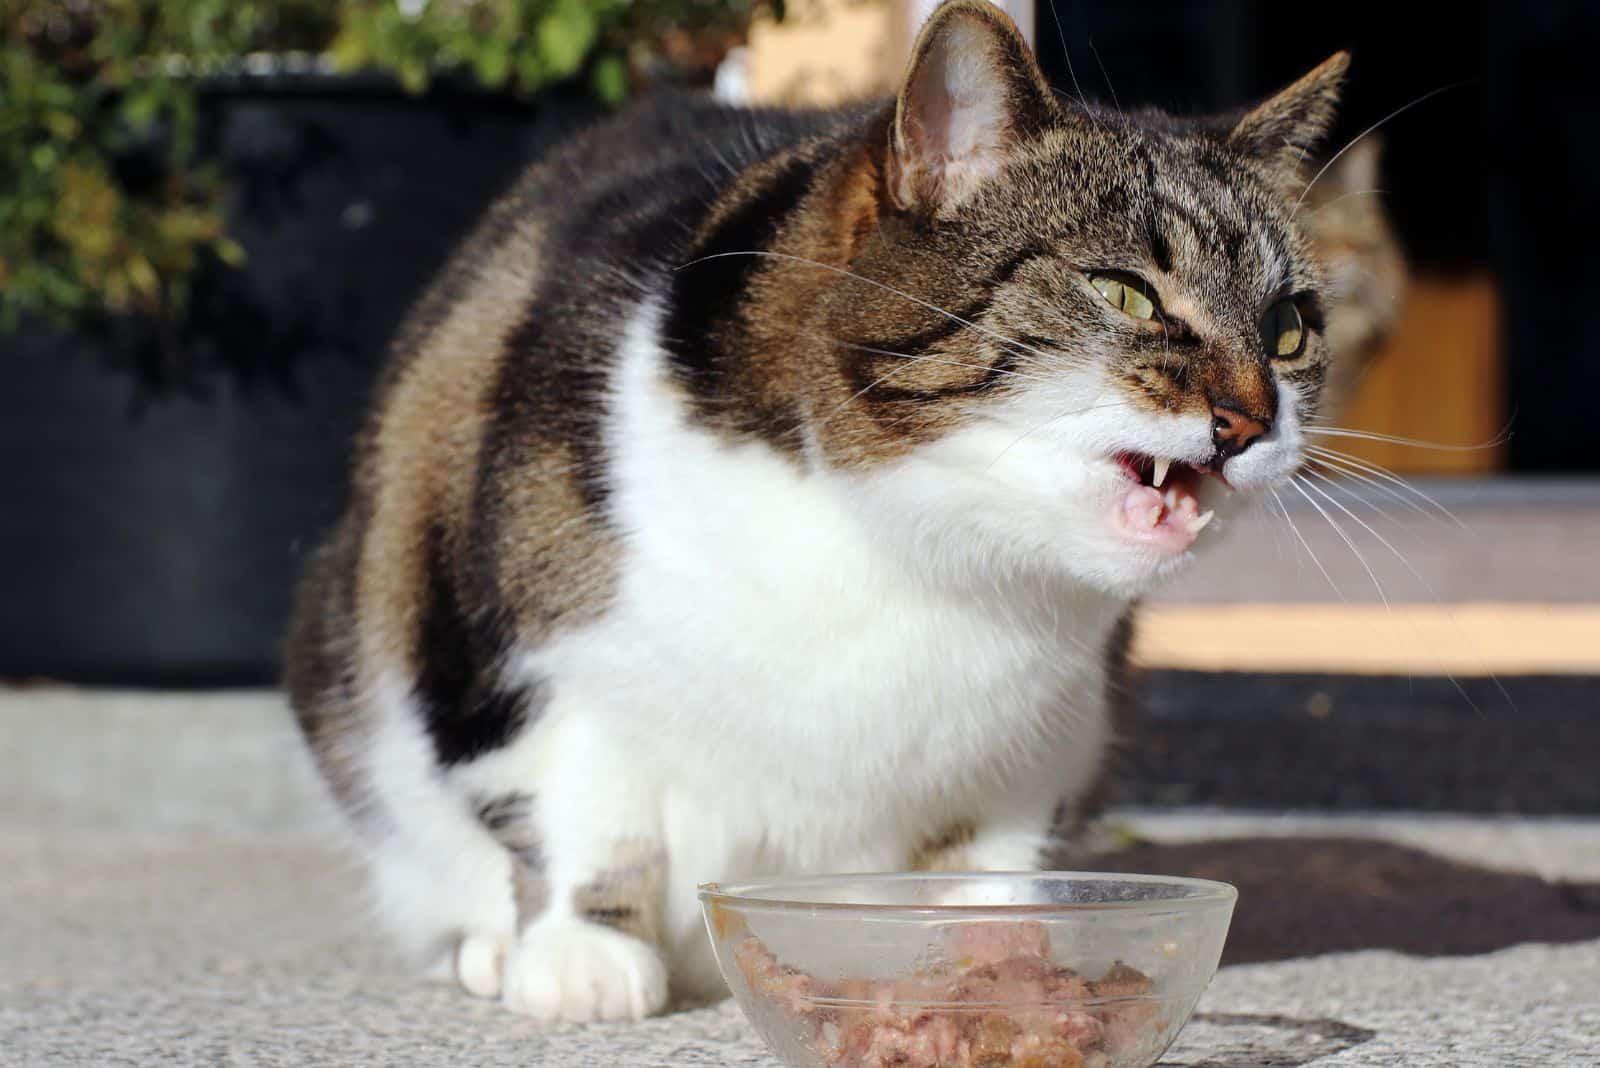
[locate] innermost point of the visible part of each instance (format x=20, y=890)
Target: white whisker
x=952, y=316
x=1398, y=555
x=1432, y=592
x=1066, y=55
x=1337, y=529
x=913, y=358
x=1263, y=505
x=1051, y=422
x=1314, y=212
x=1339, y=468
x=881, y=379
x=1309, y=550
x=1387, y=475
x=1334, y=479
x=1364, y=133
x=1390, y=439
x=1449, y=675
x=1115, y=102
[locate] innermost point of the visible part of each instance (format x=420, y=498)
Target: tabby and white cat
x=768, y=492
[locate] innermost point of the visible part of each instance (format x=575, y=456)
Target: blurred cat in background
x=1365, y=266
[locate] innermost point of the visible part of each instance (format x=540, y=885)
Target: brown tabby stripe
x=701, y=333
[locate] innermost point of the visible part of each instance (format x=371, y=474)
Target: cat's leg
x=989, y=845
x=446, y=900
x=1026, y=826
x=441, y=880
x=437, y=877
x=1010, y=834
x=508, y=816
x=589, y=948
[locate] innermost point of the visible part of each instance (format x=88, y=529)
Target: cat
x=1363, y=262
x=768, y=491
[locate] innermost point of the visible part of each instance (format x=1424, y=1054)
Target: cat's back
x=625, y=196
x=514, y=338
x=603, y=219
x=487, y=418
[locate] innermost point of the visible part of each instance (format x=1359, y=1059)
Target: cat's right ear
x=1286, y=129
x=972, y=90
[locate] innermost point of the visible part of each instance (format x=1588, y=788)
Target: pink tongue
x=1161, y=517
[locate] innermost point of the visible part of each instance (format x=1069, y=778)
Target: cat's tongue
x=1167, y=518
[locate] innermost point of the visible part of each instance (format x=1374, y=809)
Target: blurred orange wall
x=1439, y=379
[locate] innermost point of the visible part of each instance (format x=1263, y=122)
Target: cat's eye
x=1124, y=295
x=1284, y=331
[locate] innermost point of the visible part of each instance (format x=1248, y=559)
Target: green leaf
x=63, y=125
x=229, y=251
x=610, y=79
x=142, y=277
x=73, y=239
x=413, y=74
x=531, y=73
x=141, y=108
x=493, y=62
x=564, y=37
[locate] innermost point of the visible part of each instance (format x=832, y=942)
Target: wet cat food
x=992, y=999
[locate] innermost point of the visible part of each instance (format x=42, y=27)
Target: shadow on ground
x=1256, y=1040
x=1303, y=897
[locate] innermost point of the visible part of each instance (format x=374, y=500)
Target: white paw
x=479, y=962
x=575, y=971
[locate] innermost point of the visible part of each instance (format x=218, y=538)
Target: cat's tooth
x=1160, y=474
x=1171, y=497
x=1198, y=523
x=1152, y=518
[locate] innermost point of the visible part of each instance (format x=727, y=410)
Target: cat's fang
x=1198, y=523
x=1159, y=475
x=1143, y=509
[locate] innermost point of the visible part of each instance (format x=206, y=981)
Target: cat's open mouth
x=1162, y=507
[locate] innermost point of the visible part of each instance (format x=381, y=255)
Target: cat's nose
x=1232, y=430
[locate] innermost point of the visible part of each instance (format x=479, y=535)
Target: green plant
x=523, y=45
x=103, y=205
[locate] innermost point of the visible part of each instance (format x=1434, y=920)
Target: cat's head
x=1043, y=309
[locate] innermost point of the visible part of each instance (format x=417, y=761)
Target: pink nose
x=1232, y=431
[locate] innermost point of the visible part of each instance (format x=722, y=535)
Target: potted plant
x=213, y=213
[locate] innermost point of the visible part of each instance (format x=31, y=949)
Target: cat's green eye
x=1284, y=331
x=1124, y=297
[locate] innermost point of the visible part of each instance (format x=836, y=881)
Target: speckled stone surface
x=171, y=894
x=207, y=948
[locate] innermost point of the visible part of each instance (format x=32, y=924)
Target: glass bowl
x=992, y=969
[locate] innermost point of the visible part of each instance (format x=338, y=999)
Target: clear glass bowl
x=1002, y=970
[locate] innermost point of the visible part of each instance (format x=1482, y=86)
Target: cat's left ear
x=1286, y=130
x=971, y=92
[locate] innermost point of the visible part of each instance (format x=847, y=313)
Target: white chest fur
x=784, y=684
x=765, y=646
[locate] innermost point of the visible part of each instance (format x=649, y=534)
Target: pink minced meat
x=1002, y=1004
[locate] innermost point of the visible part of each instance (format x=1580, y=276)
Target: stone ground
x=169, y=894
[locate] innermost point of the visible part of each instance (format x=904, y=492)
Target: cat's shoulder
x=668, y=127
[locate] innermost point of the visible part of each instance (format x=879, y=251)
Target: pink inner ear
x=956, y=113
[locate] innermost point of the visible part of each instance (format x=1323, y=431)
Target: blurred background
x=213, y=214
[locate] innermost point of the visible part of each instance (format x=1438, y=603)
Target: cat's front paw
x=576, y=971
x=480, y=962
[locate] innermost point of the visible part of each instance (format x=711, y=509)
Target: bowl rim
x=1207, y=894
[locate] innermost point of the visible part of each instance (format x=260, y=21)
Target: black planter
x=151, y=520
